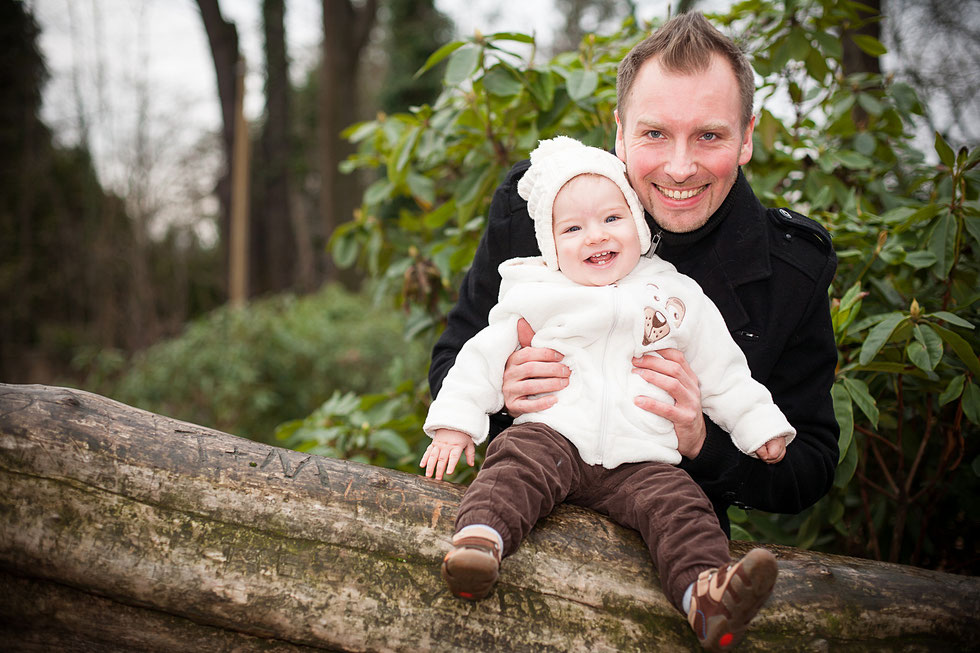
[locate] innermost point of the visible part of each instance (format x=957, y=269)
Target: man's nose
x=680, y=163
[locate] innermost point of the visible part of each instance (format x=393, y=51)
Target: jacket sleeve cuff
x=760, y=425
x=499, y=422
x=718, y=455
x=476, y=428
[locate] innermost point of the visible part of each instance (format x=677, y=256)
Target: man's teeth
x=681, y=194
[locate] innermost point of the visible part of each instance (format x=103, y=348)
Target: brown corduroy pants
x=530, y=468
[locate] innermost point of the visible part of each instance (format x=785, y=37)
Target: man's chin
x=673, y=219
x=680, y=223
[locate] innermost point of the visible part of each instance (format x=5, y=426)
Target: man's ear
x=620, y=143
x=745, y=154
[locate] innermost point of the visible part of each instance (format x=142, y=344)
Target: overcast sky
x=163, y=43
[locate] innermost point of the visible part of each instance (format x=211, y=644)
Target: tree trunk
x=855, y=60
x=223, y=39
x=345, y=32
x=280, y=260
x=121, y=529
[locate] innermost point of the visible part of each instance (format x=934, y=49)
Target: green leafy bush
x=378, y=429
x=246, y=371
x=837, y=146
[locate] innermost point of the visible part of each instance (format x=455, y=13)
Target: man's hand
x=532, y=371
x=772, y=451
x=673, y=375
x=442, y=455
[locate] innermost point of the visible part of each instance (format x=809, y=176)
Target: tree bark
x=121, y=529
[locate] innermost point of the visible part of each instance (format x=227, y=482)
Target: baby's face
x=595, y=234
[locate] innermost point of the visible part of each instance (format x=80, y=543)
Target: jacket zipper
x=604, y=410
x=654, y=242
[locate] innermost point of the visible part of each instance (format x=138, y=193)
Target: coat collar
x=731, y=249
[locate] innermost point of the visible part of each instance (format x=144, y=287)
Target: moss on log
x=121, y=529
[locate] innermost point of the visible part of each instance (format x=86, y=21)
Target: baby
x=594, y=297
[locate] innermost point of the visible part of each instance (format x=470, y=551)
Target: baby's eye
x=612, y=218
x=572, y=228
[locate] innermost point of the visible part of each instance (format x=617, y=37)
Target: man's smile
x=680, y=193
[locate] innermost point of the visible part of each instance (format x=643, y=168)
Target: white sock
x=481, y=530
x=686, y=601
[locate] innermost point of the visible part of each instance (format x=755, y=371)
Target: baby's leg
x=527, y=472
x=671, y=512
x=688, y=547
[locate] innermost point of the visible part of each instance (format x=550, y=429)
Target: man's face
x=681, y=139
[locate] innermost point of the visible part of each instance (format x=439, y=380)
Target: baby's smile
x=602, y=258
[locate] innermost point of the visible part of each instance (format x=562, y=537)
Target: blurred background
x=120, y=120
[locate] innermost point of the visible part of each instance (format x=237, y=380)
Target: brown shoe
x=471, y=567
x=725, y=600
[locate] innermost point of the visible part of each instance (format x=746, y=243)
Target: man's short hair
x=685, y=44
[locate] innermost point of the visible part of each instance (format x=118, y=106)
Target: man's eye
x=710, y=136
x=653, y=133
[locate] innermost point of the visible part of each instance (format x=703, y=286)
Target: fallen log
x=125, y=530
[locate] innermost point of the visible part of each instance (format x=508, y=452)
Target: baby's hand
x=444, y=452
x=772, y=451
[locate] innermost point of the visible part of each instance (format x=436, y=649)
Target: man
x=684, y=127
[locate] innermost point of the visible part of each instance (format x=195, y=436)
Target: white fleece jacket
x=599, y=330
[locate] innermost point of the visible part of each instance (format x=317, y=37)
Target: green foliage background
x=245, y=371
x=905, y=221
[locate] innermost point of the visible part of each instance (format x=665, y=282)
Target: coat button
x=788, y=236
x=785, y=214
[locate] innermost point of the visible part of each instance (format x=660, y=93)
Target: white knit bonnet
x=553, y=163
